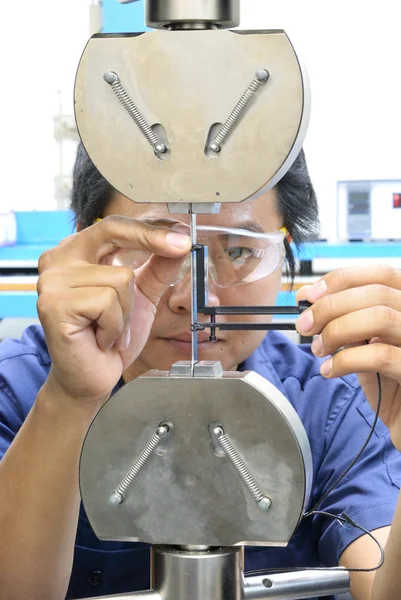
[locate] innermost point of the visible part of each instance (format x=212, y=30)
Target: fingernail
x=302, y=293
x=178, y=240
x=317, y=290
x=317, y=345
x=326, y=367
x=305, y=322
x=127, y=339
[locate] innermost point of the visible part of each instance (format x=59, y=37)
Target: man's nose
x=179, y=300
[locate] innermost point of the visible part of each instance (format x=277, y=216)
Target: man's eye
x=239, y=253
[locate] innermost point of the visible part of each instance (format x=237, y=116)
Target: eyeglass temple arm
x=212, y=311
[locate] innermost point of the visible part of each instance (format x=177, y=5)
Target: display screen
x=358, y=202
x=397, y=200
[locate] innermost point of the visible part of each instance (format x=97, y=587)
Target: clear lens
x=236, y=256
x=239, y=258
x=128, y=258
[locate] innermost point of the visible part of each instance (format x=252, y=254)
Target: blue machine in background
x=39, y=231
x=122, y=18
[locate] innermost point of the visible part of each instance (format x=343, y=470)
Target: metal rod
x=144, y=595
x=212, y=337
x=194, y=291
x=255, y=310
x=215, y=574
x=297, y=585
x=247, y=326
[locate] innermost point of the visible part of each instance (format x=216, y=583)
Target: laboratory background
x=352, y=53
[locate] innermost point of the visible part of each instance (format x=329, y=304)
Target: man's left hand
x=351, y=307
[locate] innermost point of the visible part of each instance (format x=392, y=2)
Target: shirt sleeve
x=24, y=367
x=11, y=418
x=369, y=492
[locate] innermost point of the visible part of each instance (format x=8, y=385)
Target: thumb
x=158, y=273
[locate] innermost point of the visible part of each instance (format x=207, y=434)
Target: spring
x=114, y=81
x=238, y=464
x=247, y=97
x=141, y=461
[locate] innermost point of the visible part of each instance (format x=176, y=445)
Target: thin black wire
x=344, y=518
x=347, y=470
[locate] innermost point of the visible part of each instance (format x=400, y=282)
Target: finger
x=372, y=358
x=123, y=232
x=121, y=279
x=343, y=279
x=67, y=313
x=110, y=322
x=380, y=340
x=360, y=325
x=157, y=275
x=315, y=291
x=333, y=306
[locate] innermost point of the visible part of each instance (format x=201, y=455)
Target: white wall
x=352, y=49
x=40, y=45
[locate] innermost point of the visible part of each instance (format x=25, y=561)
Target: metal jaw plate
x=188, y=491
x=192, y=116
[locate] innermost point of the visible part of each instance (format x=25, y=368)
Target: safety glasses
x=235, y=256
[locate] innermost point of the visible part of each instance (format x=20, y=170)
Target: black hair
x=297, y=202
x=296, y=197
x=90, y=192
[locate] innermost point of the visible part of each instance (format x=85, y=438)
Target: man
x=103, y=325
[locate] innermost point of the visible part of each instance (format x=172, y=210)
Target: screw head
x=262, y=75
x=160, y=148
x=215, y=147
x=115, y=499
x=265, y=503
x=110, y=77
x=162, y=431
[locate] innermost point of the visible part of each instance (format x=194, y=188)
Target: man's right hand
x=97, y=317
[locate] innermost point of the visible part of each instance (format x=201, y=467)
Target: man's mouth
x=183, y=342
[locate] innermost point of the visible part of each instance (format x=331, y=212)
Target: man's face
x=170, y=338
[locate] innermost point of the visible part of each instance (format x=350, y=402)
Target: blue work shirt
x=337, y=419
